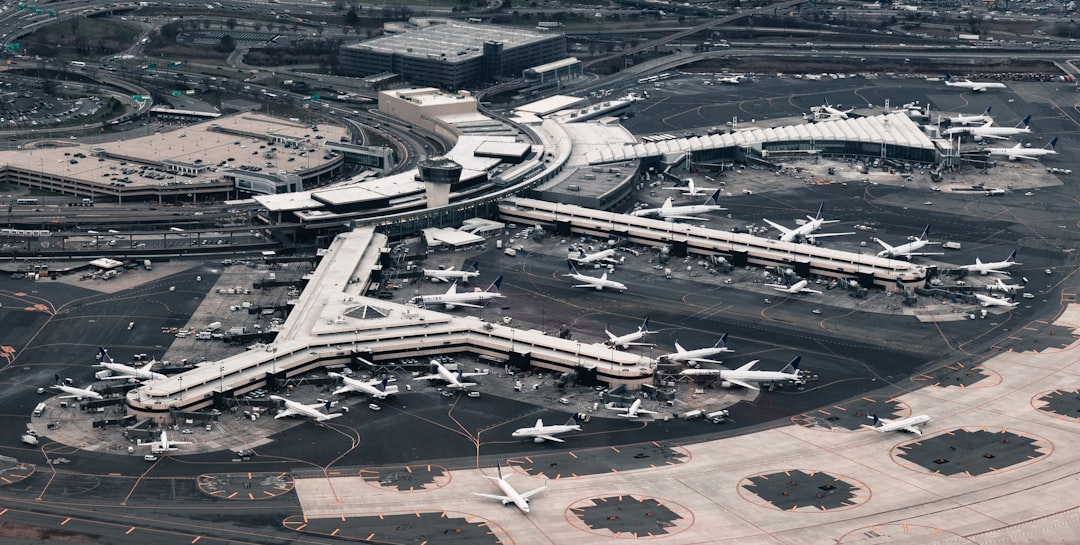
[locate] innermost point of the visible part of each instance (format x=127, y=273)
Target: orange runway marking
x=67, y=520
x=196, y=540
x=824, y=412
x=132, y=529
x=380, y=516
x=655, y=444
x=230, y=496
x=418, y=514
x=249, y=475
x=250, y=496
x=409, y=469
x=370, y=537
x=6, y=480
x=572, y=455
x=301, y=527
x=557, y=476
x=342, y=517
x=335, y=532
x=935, y=532
x=839, y=408
x=268, y=493
x=2, y=512
x=616, y=450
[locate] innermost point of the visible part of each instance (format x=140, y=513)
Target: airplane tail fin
x=877, y=421
x=496, y=284
x=820, y=208
x=104, y=355
x=475, y=267
x=1023, y=124
x=327, y=406
x=382, y=386
x=571, y=422
x=792, y=366
x=714, y=198
x=56, y=378
x=722, y=341
x=644, y=325
x=925, y=233
x=570, y=267
x=948, y=77
x=1052, y=144
x=987, y=111
x=1011, y=258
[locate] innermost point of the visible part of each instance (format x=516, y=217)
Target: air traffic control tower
x=439, y=174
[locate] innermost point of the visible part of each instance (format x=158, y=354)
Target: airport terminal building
x=453, y=55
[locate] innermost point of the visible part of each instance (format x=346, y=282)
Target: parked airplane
x=909, y=249
x=682, y=355
x=603, y=256
x=991, y=301
x=987, y=130
x=991, y=266
x=794, y=288
x=126, y=372
x=163, y=444
x=692, y=190
x=446, y=275
x=671, y=213
x=834, y=112
x=592, y=281
x=453, y=380
x=964, y=120
x=907, y=424
x=743, y=376
x=77, y=393
x=977, y=86
x=312, y=411
x=1019, y=152
x=540, y=433
x=633, y=411
x=452, y=298
x=510, y=495
x=731, y=80
x=630, y=339
x=1007, y=288
x=374, y=388
x=807, y=230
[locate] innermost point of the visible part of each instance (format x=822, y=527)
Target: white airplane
x=603, y=256
x=834, y=112
x=907, y=424
x=312, y=411
x=794, y=288
x=630, y=339
x=511, y=495
x=744, y=376
x=452, y=298
x=1007, y=288
x=682, y=355
x=592, y=281
x=163, y=444
x=986, y=130
x=127, y=372
x=991, y=301
x=992, y=266
x=77, y=393
x=692, y=190
x=670, y=212
x=977, y=86
x=446, y=275
x=909, y=249
x=453, y=380
x=731, y=80
x=374, y=388
x=965, y=120
x=633, y=411
x=806, y=231
x=540, y=433
x=1019, y=152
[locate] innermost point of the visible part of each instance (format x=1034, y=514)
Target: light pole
x=221, y=379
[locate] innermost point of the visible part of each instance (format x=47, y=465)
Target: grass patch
x=80, y=38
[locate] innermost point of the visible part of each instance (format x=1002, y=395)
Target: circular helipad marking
x=801, y=491
x=629, y=516
x=960, y=375
x=852, y=415
x=245, y=486
x=413, y=478
x=883, y=534
x=1063, y=404
x=971, y=451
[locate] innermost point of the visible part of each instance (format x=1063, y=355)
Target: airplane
x=633, y=411
x=1019, y=152
x=991, y=266
x=670, y=212
x=374, y=388
x=991, y=301
x=744, y=375
x=452, y=298
x=77, y=393
x=731, y=80
x=907, y=424
x=511, y=495
x=453, y=380
x=834, y=112
x=682, y=355
x=964, y=120
x=446, y=275
x=794, y=289
x=977, y=86
x=986, y=130
x=540, y=433
x=127, y=372
x=806, y=230
x=592, y=281
x=909, y=249
x=163, y=444
x=692, y=190
x=293, y=408
x=630, y=339
x=603, y=256
x=1007, y=288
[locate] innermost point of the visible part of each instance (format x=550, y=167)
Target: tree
x=351, y=18
x=231, y=23
x=226, y=45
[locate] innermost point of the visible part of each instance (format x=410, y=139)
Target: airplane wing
x=688, y=218
x=778, y=227
x=428, y=377
x=808, y=290
x=460, y=304
x=533, y=492
x=706, y=360
x=883, y=244
x=466, y=375
x=646, y=411
x=286, y=412
x=505, y=499
x=913, y=429
x=547, y=437
x=821, y=235
x=925, y=253
x=637, y=344
x=120, y=377
x=742, y=383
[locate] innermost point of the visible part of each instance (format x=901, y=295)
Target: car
x=816, y=311
x=374, y=407
x=187, y=431
x=1028, y=295
x=150, y=458
x=473, y=394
